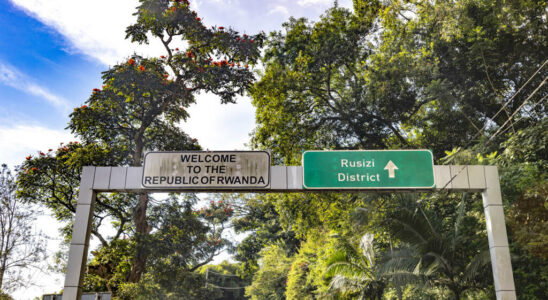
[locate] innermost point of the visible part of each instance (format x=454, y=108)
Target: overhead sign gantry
x=250, y=171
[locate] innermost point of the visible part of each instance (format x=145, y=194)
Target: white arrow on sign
x=391, y=167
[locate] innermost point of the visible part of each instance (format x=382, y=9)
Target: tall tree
x=143, y=100
x=20, y=246
x=402, y=74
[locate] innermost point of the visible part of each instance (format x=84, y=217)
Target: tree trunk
x=141, y=233
x=140, y=219
x=1, y=278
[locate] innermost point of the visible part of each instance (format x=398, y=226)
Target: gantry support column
x=496, y=233
x=81, y=231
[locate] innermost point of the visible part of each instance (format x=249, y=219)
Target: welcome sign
x=207, y=169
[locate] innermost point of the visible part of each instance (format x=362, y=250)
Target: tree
x=182, y=241
x=20, y=247
x=142, y=102
x=448, y=251
x=229, y=278
x=269, y=282
x=314, y=94
x=401, y=74
x=52, y=179
x=355, y=271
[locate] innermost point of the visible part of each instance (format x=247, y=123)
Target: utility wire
x=241, y=287
x=518, y=109
x=532, y=107
x=222, y=274
x=513, y=96
x=496, y=114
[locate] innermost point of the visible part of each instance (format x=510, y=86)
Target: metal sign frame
x=484, y=179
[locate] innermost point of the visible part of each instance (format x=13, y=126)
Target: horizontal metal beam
x=286, y=179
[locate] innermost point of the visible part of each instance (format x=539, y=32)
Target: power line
x=534, y=105
x=513, y=96
x=518, y=109
x=222, y=274
x=509, y=118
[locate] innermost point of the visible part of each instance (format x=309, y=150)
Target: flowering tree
x=139, y=107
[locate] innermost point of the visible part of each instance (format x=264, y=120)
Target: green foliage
x=110, y=266
x=195, y=69
x=354, y=272
x=306, y=278
x=450, y=252
x=5, y=296
x=259, y=217
x=186, y=285
x=52, y=179
x=269, y=282
x=229, y=278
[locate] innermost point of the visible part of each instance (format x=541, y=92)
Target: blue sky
x=52, y=53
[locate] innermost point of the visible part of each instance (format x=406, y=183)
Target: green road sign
x=368, y=169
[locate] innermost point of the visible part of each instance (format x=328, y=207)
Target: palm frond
x=477, y=264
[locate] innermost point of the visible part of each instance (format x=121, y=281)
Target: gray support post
x=496, y=233
x=80, y=236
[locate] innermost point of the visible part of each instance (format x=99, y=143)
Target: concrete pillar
x=498, y=239
x=81, y=231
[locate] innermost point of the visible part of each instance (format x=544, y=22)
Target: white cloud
x=12, y=77
x=279, y=9
x=94, y=28
x=314, y=2
x=18, y=141
x=220, y=126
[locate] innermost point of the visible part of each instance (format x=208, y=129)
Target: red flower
x=49, y=150
x=198, y=19
x=96, y=90
x=83, y=106
x=237, y=38
x=28, y=157
x=252, y=41
x=221, y=28
x=131, y=61
x=246, y=66
x=163, y=56
x=34, y=169
x=42, y=153
x=141, y=68
x=176, y=49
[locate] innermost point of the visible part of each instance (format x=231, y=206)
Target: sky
x=52, y=53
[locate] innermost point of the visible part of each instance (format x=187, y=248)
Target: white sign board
x=207, y=169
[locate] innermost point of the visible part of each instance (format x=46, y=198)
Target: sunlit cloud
x=12, y=77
